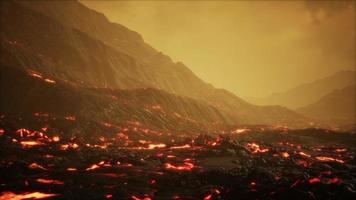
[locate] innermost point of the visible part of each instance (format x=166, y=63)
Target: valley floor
x=60, y=158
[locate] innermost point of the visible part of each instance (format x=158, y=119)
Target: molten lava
x=314, y=180
x=328, y=159
x=154, y=146
x=285, y=154
x=187, y=166
x=304, y=154
x=23, y=196
x=208, y=197
x=36, y=166
x=30, y=143
x=255, y=148
x=49, y=181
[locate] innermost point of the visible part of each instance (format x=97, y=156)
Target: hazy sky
x=250, y=48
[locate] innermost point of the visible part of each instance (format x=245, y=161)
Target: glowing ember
x=185, y=167
x=100, y=146
x=176, y=197
x=340, y=150
x=304, y=154
x=35, y=74
x=98, y=165
x=71, y=169
x=214, y=144
x=1, y=131
x=30, y=143
x=328, y=159
x=255, y=148
x=314, y=180
x=49, y=181
x=208, y=197
x=156, y=107
x=39, y=114
x=181, y=147
x=285, y=154
x=32, y=195
x=36, y=166
x=40, y=76
x=112, y=175
x=108, y=196
x=240, y=130
x=137, y=198
x=101, y=138
x=70, y=145
x=154, y=146
x=126, y=165
x=23, y=131
x=55, y=138
x=94, y=166
x=49, y=81
x=334, y=180
x=70, y=118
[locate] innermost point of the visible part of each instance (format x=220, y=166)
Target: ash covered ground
x=47, y=156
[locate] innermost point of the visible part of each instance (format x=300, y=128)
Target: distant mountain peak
x=336, y=107
x=310, y=92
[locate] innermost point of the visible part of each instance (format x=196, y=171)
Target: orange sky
x=250, y=48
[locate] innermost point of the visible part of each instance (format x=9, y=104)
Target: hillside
x=151, y=107
x=337, y=107
x=308, y=93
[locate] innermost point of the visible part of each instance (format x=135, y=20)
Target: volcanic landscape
x=90, y=111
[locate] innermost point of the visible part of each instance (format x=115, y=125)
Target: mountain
x=151, y=67
x=337, y=107
x=79, y=47
x=151, y=107
x=308, y=93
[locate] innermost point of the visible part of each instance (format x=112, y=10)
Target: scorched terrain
x=90, y=111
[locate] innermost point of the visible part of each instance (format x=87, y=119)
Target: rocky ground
x=44, y=156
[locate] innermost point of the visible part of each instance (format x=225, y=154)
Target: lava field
x=90, y=110
x=45, y=156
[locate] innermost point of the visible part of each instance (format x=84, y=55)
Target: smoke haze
x=250, y=48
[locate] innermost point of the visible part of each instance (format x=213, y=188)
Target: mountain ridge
x=336, y=107
x=67, y=53
x=310, y=92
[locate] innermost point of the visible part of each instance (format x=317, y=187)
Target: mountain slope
x=308, y=93
x=43, y=44
x=337, y=107
x=35, y=39
x=151, y=107
x=157, y=69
